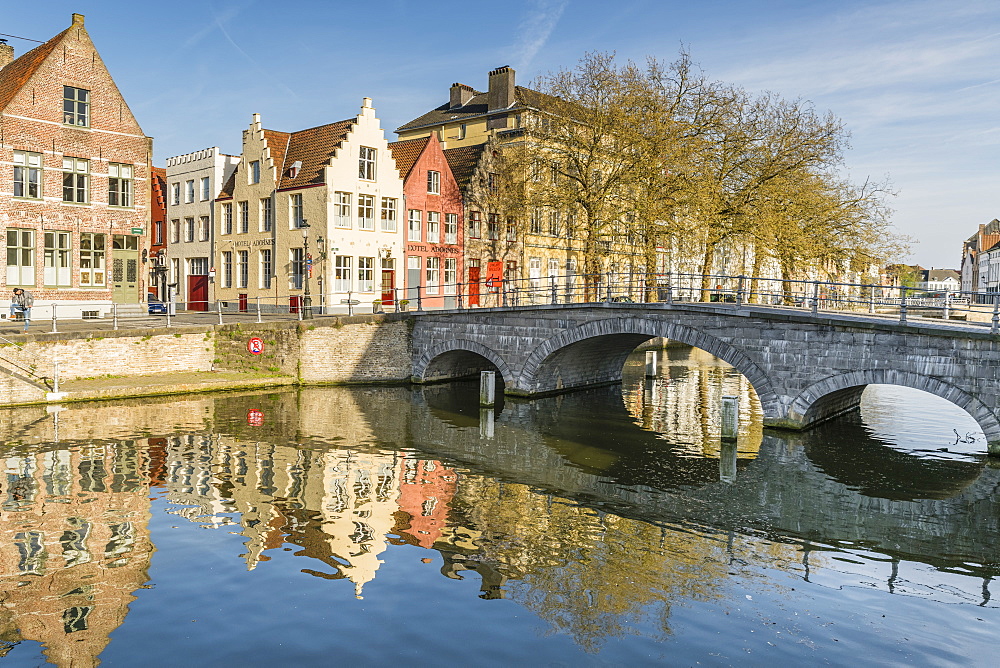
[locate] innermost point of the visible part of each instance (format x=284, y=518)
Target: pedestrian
x=21, y=303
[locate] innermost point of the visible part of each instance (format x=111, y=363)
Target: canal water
x=378, y=525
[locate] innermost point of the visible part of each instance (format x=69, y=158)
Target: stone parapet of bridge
x=805, y=368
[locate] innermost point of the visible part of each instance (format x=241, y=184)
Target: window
x=433, y=227
x=175, y=231
x=366, y=274
x=227, y=269
x=206, y=189
x=296, y=267
x=475, y=224
x=76, y=106
x=119, y=184
x=433, y=275
x=461, y=131
x=536, y=171
x=342, y=273
x=366, y=164
x=413, y=226
x=570, y=225
x=56, y=272
x=242, y=268
x=203, y=228
x=451, y=228
x=536, y=220
x=76, y=176
x=342, y=210
x=189, y=229
x=450, y=275
x=20, y=257
x=433, y=182
x=535, y=272
x=554, y=225
x=511, y=228
x=553, y=270
x=198, y=266
x=388, y=214
x=554, y=173
x=158, y=233
x=189, y=191
x=255, y=171
x=493, y=183
x=92, y=259
x=366, y=212
x=266, y=214
x=295, y=210
x=266, y=268
x=243, y=209
x=175, y=194
x=493, y=226
x=27, y=174
x=227, y=218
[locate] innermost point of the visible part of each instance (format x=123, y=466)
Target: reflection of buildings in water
x=74, y=545
x=339, y=506
x=425, y=492
x=683, y=401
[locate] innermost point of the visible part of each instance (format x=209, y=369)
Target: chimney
x=501, y=94
x=460, y=95
x=6, y=54
x=77, y=20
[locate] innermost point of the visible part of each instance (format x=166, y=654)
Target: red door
x=244, y=302
x=388, y=287
x=197, y=293
x=473, y=286
x=294, y=303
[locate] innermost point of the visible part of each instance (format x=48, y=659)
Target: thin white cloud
x=535, y=29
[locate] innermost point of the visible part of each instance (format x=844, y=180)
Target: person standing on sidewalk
x=21, y=303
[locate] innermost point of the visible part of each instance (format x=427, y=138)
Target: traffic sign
x=255, y=417
x=255, y=346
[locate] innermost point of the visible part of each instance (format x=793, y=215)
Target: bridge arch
x=613, y=339
x=451, y=358
x=836, y=394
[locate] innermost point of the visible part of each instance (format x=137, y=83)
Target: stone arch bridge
x=806, y=368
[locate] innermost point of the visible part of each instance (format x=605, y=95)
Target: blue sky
x=916, y=82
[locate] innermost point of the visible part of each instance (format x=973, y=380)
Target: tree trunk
x=706, y=270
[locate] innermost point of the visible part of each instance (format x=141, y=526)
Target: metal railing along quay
x=880, y=301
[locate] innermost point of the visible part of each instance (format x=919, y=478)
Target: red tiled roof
x=15, y=75
x=463, y=162
x=314, y=147
x=406, y=153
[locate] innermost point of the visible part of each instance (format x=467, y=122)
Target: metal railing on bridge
x=886, y=301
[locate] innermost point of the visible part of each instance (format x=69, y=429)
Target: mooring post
x=218, y=307
x=902, y=306
x=730, y=417
x=871, y=299
x=995, y=329
x=552, y=286
x=651, y=363
x=946, y=307
x=114, y=316
x=487, y=388
x=727, y=461
x=54, y=330
x=258, y=309
x=487, y=421
x=815, y=304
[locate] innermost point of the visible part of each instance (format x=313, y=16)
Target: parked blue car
x=156, y=307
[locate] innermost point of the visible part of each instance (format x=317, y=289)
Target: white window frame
x=342, y=273
x=57, y=269
x=432, y=277
x=120, y=184
x=389, y=210
x=243, y=220
x=342, y=210
x=366, y=274
x=189, y=191
x=242, y=268
x=433, y=182
x=206, y=189
x=451, y=228
x=254, y=171
x=22, y=272
x=366, y=212
x=367, y=163
x=227, y=218
x=414, y=225
x=227, y=269
x=450, y=275
x=78, y=171
x=93, y=260
x=265, y=262
x=266, y=214
x=296, y=211
x=28, y=173
x=189, y=229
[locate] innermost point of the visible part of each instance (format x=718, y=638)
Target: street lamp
x=307, y=305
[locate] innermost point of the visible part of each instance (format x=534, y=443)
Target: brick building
x=433, y=227
x=157, y=232
x=74, y=185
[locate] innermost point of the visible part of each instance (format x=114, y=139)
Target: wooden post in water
x=730, y=419
x=651, y=363
x=487, y=388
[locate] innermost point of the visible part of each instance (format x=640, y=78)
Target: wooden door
x=388, y=287
x=473, y=286
x=197, y=293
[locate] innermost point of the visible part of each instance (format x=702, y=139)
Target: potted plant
x=404, y=304
x=376, y=306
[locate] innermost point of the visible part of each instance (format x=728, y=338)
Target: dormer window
x=76, y=106
x=293, y=171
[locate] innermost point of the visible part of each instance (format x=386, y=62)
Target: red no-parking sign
x=255, y=417
x=255, y=345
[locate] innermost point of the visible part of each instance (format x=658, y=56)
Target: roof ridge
x=17, y=72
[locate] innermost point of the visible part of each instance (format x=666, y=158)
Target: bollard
x=730, y=417
x=218, y=307
x=168, y=317
x=350, y=303
x=503, y=290
x=607, y=295
x=871, y=300
x=461, y=304
x=739, y=290
x=555, y=297
x=487, y=388
x=258, y=309
x=651, y=364
x=419, y=302
x=486, y=423
x=946, y=307
x=815, y=304
x=902, y=307
x=995, y=329
x=54, y=330
x=727, y=461
x=114, y=316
